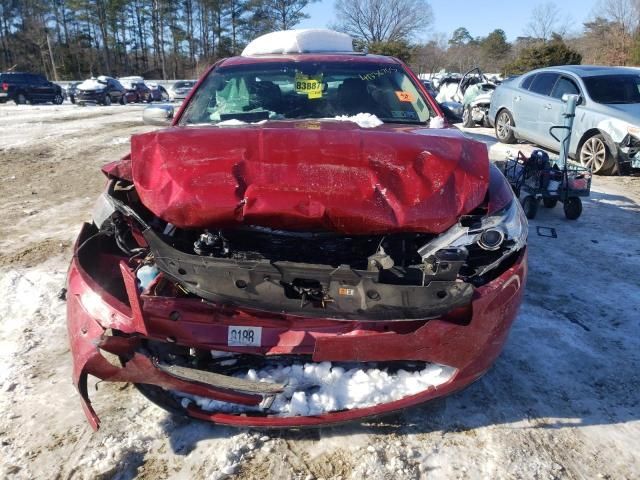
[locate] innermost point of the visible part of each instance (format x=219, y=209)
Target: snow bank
x=299, y=41
x=364, y=120
x=316, y=388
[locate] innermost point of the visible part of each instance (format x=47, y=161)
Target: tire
x=123, y=100
x=573, y=208
x=549, y=202
x=504, y=127
x=21, y=99
x=73, y=100
x=530, y=206
x=107, y=100
x=467, y=118
x=595, y=155
x=58, y=99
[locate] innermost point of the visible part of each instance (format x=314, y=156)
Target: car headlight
x=505, y=230
x=634, y=131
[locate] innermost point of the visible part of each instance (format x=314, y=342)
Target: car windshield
x=303, y=90
x=612, y=89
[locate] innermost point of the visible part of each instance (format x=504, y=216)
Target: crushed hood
x=311, y=175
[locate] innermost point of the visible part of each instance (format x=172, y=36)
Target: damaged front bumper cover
x=110, y=340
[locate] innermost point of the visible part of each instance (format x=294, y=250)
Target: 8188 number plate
x=244, y=336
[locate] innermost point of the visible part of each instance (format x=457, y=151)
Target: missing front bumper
x=103, y=300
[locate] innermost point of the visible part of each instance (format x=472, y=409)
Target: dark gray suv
x=28, y=88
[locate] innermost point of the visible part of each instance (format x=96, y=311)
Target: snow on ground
x=561, y=402
x=317, y=388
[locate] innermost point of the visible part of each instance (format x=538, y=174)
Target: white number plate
x=2, y=94
x=244, y=336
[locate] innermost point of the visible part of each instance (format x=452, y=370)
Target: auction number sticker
x=309, y=86
x=244, y=336
x=405, y=96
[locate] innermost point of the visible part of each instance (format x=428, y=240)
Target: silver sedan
x=606, y=131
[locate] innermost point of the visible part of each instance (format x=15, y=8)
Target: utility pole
x=53, y=63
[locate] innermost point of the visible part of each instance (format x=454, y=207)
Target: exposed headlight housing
x=505, y=230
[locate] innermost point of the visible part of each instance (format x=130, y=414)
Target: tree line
x=72, y=39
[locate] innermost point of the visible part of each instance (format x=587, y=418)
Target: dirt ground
x=561, y=402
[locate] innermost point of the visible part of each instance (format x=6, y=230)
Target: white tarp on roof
x=299, y=41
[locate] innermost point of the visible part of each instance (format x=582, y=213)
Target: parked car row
x=23, y=88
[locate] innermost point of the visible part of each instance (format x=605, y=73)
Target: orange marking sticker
x=405, y=96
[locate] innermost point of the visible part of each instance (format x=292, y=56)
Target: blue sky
x=479, y=16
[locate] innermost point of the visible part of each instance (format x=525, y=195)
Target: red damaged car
x=307, y=243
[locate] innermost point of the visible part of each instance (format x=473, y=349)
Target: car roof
x=590, y=70
x=310, y=57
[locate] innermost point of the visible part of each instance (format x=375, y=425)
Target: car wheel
x=530, y=206
x=21, y=99
x=467, y=118
x=572, y=208
x=58, y=99
x=123, y=100
x=504, y=127
x=107, y=100
x=549, y=202
x=595, y=155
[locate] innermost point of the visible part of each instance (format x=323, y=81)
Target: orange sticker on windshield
x=405, y=96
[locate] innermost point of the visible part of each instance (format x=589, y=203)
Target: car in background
x=180, y=89
x=428, y=85
x=102, y=90
x=158, y=92
x=72, y=91
x=308, y=213
x=137, y=92
x=28, y=88
x=606, y=128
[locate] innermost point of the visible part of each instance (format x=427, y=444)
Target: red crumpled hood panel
x=314, y=175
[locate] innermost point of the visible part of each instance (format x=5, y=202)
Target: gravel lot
x=561, y=402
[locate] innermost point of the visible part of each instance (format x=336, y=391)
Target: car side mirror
x=452, y=111
x=161, y=115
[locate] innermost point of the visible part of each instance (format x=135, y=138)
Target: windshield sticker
x=309, y=86
x=378, y=73
x=407, y=114
x=405, y=96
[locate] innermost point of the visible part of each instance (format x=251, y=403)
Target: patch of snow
x=231, y=123
x=91, y=84
x=299, y=41
x=364, y=120
x=316, y=388
x=436, y=122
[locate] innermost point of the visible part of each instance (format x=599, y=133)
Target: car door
x=42, y=88
x=535, y=99
x=521, y=108
x=551, y=113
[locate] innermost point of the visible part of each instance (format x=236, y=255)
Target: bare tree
x=623, y=16
x=547, y=19
x=383, y=20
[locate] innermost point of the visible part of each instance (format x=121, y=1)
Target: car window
x=614, y=89
x=543, y=83
x=303, y=90
x=526, y=83
x=563, y=86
